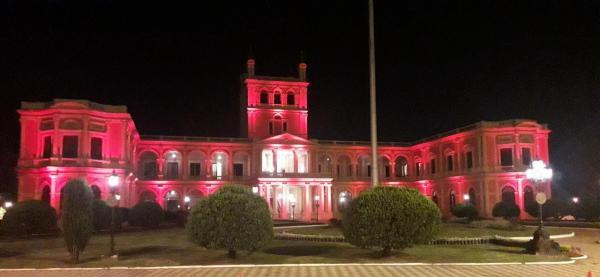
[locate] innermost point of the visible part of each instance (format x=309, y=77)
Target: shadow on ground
x=138, y=251
x=299, y=250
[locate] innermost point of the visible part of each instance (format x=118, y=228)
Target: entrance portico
x=302, y=199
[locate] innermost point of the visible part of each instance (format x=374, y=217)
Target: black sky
x=440, y=65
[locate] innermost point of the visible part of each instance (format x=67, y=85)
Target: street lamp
x=539, y=173
x=187, y=200
x=8, y=204
x=575, y=200
x=292, y=201
x=317, y=204
x=466, y=198
x=113, y=183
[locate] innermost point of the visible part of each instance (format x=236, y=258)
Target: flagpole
x=374, y=158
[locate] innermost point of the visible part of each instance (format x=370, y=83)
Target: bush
x=77, y=216
x=552, y=208
x=233, y=218
x=29, y=217
x=498, y=224
x=506, y=210
x=466, y=211
x=103, y=215
x=390, y=218
x=146, y=214
x=335, y=222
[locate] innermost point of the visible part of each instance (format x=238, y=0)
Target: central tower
x=273, y=105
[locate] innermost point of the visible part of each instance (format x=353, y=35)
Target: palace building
x=300, y=177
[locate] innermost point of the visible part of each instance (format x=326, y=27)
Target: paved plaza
x=337, y=270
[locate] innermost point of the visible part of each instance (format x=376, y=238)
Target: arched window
x=529, y=199
x=277, y=125
x=96, y=191
x=384, y=167
x=452, y=198
x=508, y=195
x=147, y=196
x=344, y=199
x=172, y=201
x=344, y=166
x=472, y=199
x=196, y=160
x=401, y=167
x=324, y=165
x=219, y=165
x=264, y=97
x=147, y=166
x=291, y=99
x=46, y=194
x=172, y=164
x=277, y=99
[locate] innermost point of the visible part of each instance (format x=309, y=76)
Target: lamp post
x=187, y=200
x=467, y=198
x=539, y=173
x=113, y=183
x=292, y=201
x=317, y=204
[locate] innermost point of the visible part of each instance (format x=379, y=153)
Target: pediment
x=285, y=138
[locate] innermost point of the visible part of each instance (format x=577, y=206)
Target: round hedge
x=390, y=218
x=506, y=210
x=146, y=214
x=233, y=219
x=29, y=217
x=103, y=215
x=464, y=211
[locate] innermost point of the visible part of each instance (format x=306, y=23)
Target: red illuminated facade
x=300, y=178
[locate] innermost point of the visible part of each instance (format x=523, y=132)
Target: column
x=520, y=199
x=308, y=201
x=323, y=200
x=329, y=209
x=54, y=195
x=274, y=161
x=393, y=169
x=185, y=167
x=284, y=202
x=208, y=165
x=295, y=161
x=160, y=162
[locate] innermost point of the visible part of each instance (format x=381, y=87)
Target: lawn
x=171, y=247
x=447, y=230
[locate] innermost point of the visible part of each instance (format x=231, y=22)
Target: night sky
x=440, y=66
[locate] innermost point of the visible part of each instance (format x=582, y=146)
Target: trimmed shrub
x=465, y=211
x=390, y=218
x=146, y=214
x=29, y=217
x=233, y=219
x=77, y=216
x=335, y=222
x=103, y=215
x=498, y=224
x=552, y=208
x=506, y=210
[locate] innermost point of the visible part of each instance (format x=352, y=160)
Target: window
x=368, y=170
x=70, y=147
x=270, y=128
x=150, y=170
x=472, y=197
x=172, y=170
x=277, y=99
x=291, y=100
x=285, y=126
x=96, y=149
x=470, y=159
x=401, y=167
x=387, y=171
x=450, y=163
x=526, y=156
x=432, y=164
x=238, y=170
x=264, y=97
x=419, y=168
x=195, y=169
x=506, y=157
x=47, y=147
x=452, y=199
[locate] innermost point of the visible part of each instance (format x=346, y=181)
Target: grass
x=446, y=230
x=171, y=247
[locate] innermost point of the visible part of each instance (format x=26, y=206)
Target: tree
x=29, y=217
x=146, y=214
x=77, y=216
x=506, y=210
x=466, y=211
x=233, y=219
x=390, y=218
